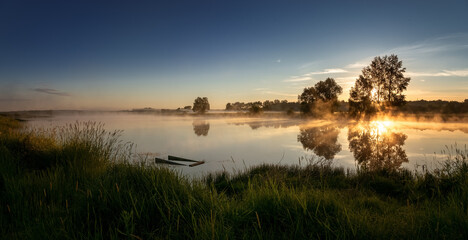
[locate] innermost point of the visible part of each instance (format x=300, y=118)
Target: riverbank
x=77, y=182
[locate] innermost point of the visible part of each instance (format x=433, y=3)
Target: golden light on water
x=377, y=128
x=377, y=145
x=380, y=127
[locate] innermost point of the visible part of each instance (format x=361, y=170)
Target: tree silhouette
x=360, y=100
x=201, y=128
x=381, y=84
x=256, y=107
x=326, y=92
x=308, y=99
x=321, y=140
x=376, y=148
x=201, y=105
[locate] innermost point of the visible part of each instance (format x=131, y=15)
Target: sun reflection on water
x=376, y=145
x=380, y=127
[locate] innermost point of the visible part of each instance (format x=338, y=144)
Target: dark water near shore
x=236, y=143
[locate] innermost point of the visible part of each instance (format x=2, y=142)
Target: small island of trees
x=201, y=105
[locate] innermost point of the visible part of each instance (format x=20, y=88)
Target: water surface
x=234, y=144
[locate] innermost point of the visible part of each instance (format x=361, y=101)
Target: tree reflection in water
x=201, y=127
x=321, y=140
x=376, y=146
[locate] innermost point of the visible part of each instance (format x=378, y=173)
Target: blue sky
x=163, y=54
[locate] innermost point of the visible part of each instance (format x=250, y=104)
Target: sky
x=116, y=55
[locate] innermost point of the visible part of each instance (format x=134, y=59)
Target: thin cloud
x=458, y=73
x=51, y=91
x=307, y=65
x=329, y=71
x=346, y=78
x=308, y=76
x=280, y=94
x=452, y=36
x=298, y=79
x=346, y=81
x=297, y=86
x=269, y=91
x=441, y=44
x=453, y=42
x=443, y=73
x=356, y=65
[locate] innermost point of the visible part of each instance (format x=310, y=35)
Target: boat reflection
x=323, y=140
x=201, y=127
x=377, y=146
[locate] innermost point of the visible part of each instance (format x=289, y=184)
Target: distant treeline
x=420, y=106
x=437, y=106
x=275, y=105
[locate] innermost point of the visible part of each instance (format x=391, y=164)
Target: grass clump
x=77, y=182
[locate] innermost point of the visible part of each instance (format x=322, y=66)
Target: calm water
x=236, y=143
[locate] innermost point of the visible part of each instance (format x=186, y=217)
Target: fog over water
x=235, y=143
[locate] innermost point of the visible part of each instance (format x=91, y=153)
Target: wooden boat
x=164, y=161
x=170, y=157
x=172, y=160
x=196, y=163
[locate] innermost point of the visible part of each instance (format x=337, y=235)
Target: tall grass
x=77, y=182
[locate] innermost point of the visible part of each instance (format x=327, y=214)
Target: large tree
x=326, y=92
x=201, y=105
x=307, y=99
x=381, y=84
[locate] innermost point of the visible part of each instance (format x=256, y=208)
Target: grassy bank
x=75, y=183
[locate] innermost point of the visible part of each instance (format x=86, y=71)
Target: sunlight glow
x=374, y=93
x=380, y=127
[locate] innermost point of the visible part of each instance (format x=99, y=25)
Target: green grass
x=76, y=183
